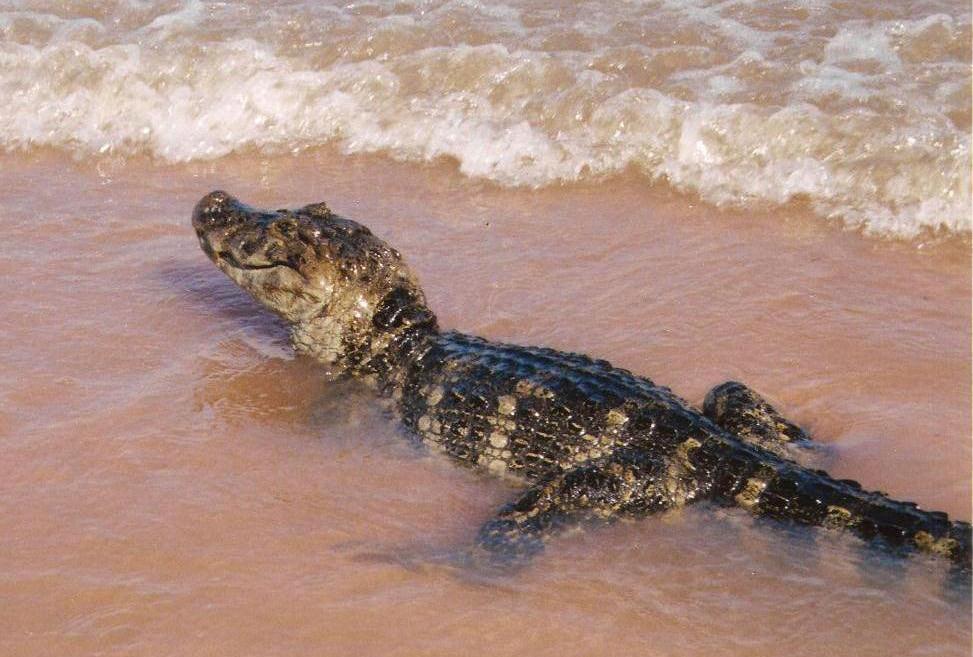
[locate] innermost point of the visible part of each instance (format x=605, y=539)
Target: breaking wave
x=862, y=110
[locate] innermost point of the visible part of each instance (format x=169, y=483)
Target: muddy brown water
x=175, y=482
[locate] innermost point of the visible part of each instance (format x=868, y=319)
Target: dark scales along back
x=588, y=440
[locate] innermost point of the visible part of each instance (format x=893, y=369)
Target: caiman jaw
x=264, y=253
x=228, y=258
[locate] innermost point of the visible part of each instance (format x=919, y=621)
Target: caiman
x=586, y=439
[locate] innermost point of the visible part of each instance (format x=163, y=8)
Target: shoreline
x=940, y=242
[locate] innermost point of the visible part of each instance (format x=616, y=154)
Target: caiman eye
x=249, y=247
x=287, y=229
x=276, y=253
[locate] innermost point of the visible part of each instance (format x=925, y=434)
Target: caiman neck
x=376, y=343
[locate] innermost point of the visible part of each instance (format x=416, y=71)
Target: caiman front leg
x=627, y=483
x=742, y=412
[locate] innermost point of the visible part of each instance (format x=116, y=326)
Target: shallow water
x=176, y=482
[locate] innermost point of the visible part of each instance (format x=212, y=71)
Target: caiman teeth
x=231, y=260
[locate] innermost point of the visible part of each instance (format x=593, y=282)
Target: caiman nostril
x=214, y=211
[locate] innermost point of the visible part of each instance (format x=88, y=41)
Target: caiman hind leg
x=628, y=483
x=742, y=412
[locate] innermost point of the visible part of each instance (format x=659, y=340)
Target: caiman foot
x=739, y=410
x=627, y=483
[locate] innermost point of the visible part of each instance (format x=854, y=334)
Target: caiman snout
x=299, y=262
x=232, y=233
x=215, y=210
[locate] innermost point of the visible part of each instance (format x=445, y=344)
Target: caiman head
x=345, y=292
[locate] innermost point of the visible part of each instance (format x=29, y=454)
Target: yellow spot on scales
x=839, y=517
x=435, y=396
x=679, y=484
x=750, y=495
x=929, y=543
x=616, y=418
x=506, y=405
x=497, y=467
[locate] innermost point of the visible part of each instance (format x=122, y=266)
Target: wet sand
x=176, y=482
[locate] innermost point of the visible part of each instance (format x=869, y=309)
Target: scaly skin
x=589, y=440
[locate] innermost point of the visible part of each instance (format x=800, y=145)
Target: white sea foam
x=868, y=119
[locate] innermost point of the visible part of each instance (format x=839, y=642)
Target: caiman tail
x=775, y=487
